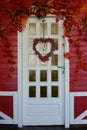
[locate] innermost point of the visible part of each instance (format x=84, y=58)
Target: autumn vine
x=74, y=14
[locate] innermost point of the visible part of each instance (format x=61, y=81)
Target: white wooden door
x=43, y=82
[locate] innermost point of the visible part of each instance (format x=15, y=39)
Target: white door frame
x=67, y=87
x=20, y=82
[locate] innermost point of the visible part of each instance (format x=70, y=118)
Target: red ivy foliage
x=73, y=12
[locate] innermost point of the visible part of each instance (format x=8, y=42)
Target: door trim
x=67, y=86
x=20, y=82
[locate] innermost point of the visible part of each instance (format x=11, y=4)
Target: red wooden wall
x=8, y=79
x=81, y=83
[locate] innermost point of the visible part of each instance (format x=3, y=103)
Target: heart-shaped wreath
x=46, y=41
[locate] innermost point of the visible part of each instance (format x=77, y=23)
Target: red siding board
x=4, y=61
x=7, y=82
x=81, y=83
x=6, y=87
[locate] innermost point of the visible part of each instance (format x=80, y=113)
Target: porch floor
x=11, y=127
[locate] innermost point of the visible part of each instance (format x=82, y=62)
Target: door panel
x=43, y=82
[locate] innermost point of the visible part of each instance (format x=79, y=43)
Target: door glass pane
x=54, y=91
x=54, y=28
x=56, y=44
x=43, y=63
x=54, y=60
x=54, y=75
x=32, y=91
x=43, y=91
x=43, y=28
x=32, y=28
x=32, y=75
x=32, y=60
x=30, y=45
x=43, y=75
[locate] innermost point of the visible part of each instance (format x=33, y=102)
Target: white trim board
x=67, y=85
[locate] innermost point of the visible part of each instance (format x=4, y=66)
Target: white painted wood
x=20, y=78
x=3, y=93
x=45, y=116
x=67, y=86
x=71, y=109
x=15, y=109
x=25, y=74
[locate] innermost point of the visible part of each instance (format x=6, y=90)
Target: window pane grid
x=40, y=76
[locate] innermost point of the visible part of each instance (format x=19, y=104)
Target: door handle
x=62, y=67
